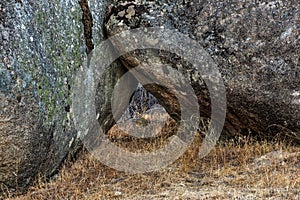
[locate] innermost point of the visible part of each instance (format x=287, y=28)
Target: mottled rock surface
x=42, y=45
x=256, y=46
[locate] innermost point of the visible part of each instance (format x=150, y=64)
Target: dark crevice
x=87, y=21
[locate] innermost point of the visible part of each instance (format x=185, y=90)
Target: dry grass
x=241, y=169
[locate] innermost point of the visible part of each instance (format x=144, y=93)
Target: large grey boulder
x=42, y=45
x=256, y=46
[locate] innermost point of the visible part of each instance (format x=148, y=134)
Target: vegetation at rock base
x=242, y=168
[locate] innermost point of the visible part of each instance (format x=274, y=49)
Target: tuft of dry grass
x=235, y=169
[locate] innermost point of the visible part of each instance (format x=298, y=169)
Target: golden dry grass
x=240, y=169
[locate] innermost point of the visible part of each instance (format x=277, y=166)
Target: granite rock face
x=256, y=46
x=41, y=46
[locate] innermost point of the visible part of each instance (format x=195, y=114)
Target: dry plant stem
x=247, y=170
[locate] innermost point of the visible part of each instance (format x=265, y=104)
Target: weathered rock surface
x=42, y=45
x=256, y=46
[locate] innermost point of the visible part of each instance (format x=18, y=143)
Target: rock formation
x=42, y=45
x=255, y=45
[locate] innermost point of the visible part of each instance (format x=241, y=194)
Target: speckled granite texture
x=256, y=46
x=41, y=45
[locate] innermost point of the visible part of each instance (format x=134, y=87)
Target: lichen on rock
x=255, y=45
x=42, y=46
